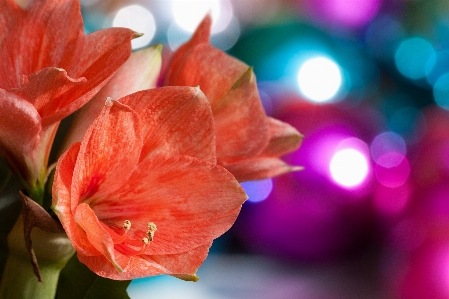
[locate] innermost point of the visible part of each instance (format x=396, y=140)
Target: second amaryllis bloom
x=142, y=195
x=49, y=68
x=249, y=143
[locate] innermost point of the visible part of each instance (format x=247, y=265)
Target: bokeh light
x=441, y=67
x=319, y=79
x=343, y=13
x=301, y=224
x=223, y=40
x=348, y=167
x=441, y=91
x=392, y=200
x=389, y=172
x=258, y=190
x=427, y=273
x=139, y=19
x=386, y=143
x=322, y=146
x=88, y=2
x=256, y=11
x=189, y=13
x=407, y=235
x=409, y=122
x=415, y=57
x=351, y=12
x=383, y=36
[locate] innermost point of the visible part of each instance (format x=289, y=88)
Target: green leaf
x=78, y=282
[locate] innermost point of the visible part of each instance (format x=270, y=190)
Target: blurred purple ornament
x=349, y=13
x=420, y=240
x=310, y=215
x=425, y=275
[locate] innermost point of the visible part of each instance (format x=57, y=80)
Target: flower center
x=135, y=243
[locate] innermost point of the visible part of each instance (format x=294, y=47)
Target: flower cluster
x=148, y=175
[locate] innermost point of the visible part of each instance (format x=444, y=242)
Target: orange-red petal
x=10, y=14
x=185, y=263
x=177, y=121
x=202, y=33
x=62, y=199
x=50, y=33
x=108, y=154
x=197, y=63
x=139, y=72
x=207, y=67
x=97, y=236
x=20, y=131
x=259, y=168
x=283, y=138
x=53, y=94
x=191, y=201
x=241, y=123
x=103, y=53
x=230, y=87
x=245, y=135
x=137, y=267
x=19, y=121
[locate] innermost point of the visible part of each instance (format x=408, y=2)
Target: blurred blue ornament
x=415, y=58
x=279, y=53
x=441, y=91
x=258, y=191
x=383, y=36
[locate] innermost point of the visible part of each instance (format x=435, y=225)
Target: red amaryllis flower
x=141, y=194
x=49, y=68
x=248, y=142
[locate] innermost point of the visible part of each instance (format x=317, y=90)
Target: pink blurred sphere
x=308, y=217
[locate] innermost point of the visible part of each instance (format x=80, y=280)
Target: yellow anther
x=126, y=241
x=108, y=102
x=151, y=229
x=127, y=224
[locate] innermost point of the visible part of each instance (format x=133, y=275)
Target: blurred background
x=367, y=83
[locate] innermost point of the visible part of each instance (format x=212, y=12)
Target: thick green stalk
x=37, y=193
x=52, y=252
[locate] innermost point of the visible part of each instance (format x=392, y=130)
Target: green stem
x=52, y=252
x=37, y=194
